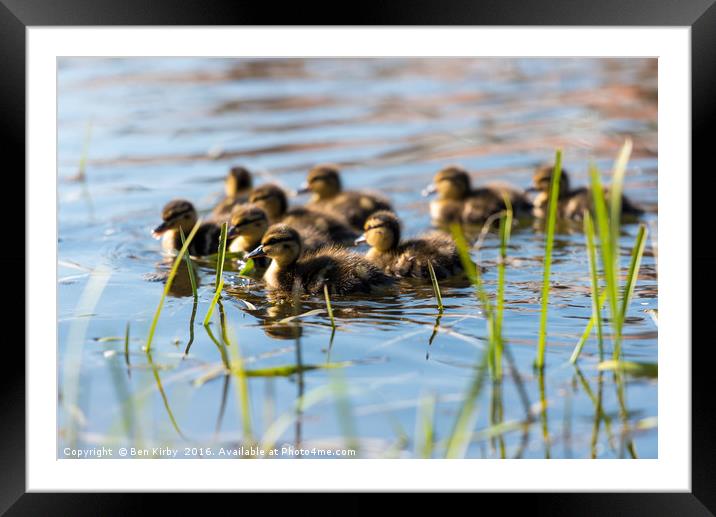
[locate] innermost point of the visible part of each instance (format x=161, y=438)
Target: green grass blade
x=248, y=268
x=617, y=188
x=633, y=368
x=505, y=230
x=426, y=420
x=212, y=305
x=219, y=273
x=608, y=248
x=329, y=308
x=165, y=399
x=472, y=271
x=126, y=347
x=462, y=429
x=588, y=329
x=549, y=241
x=168, y=285
x=221, y=253
x=242, y=387
x=189, y=266
x=636, y=255
x=436, y=286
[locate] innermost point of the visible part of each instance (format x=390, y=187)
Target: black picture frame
x=17, y=15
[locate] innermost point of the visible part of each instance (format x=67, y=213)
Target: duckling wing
x=578, y=201
x=521, y=204
x=344, y=272
x=205, y=241
x=437, y=249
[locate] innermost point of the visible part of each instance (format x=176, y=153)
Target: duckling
x=248, y=226
x=180, y=213
x=459, y=202
x=325, y=183
x=408, y=258
x=572, y=202
x=343, y=271
x=237, y=186
x=333, y=227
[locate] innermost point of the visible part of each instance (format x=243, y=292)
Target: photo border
x=700, y=16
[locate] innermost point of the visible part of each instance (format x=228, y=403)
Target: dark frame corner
x=700, y=15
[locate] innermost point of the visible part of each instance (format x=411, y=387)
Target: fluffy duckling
x=459, y=202
x=273, y=200
x=180, y=213
x=408, y=258
x=249, y=223
x=237, y=186
x=572, y=202
x=343, y=271
x=324, y=182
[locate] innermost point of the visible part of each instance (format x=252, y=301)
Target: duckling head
x=451, y=183
x=248, y=224
x=323, y=180
x=271, y=198
x=281, y=243
x=382, y=231
x=176, y=214
x=542, y=180
x=238, y=180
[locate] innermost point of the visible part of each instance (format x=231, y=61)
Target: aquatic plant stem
x=549, y=241
x=168, y=285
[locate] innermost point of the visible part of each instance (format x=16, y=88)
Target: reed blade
x=549, y=242
x=436, y=287
x=168, y=285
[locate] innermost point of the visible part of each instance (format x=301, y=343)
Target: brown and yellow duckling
x=181, y=214
x=237, y=187
x=408, y=258
x=249, y=224
x=273, y=200
x=458, y=202
x=343, y=271
x=324, y=182
x=572, y=202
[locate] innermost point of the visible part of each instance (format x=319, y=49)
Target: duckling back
x=343, y=271
x=354, y=206
x=332, y=228
x=411, y=257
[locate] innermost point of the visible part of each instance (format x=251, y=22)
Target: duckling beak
x=304, y=189
x=159, y=230
x=360, y=240
x=531, y=189
x=429, y=190
x=232, y=232
x=258, y=252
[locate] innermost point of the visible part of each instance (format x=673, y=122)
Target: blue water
x=169, y=128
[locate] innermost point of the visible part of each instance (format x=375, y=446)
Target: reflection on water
x=394, y=370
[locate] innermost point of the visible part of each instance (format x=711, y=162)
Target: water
x=169, y=128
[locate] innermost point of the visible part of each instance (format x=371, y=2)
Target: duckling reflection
x=342, y=271
x=572, y=202
x=181, y=285
x=333, y=228
x=458, y=202
x=409, y=258
x=237, y=186
x=324, y=182
x=181, y=214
